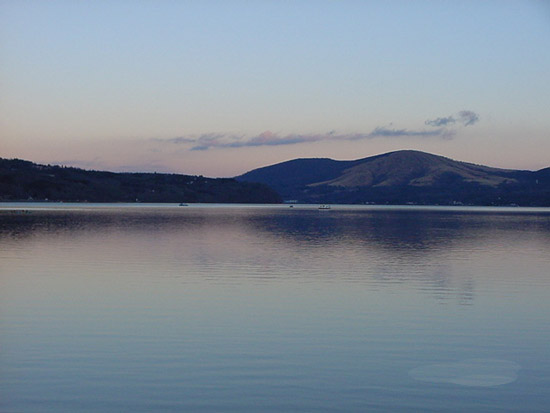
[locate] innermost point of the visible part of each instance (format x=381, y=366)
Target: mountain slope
x=414, y=168
x=402, y=177
x=298, y=172
x=24, y=180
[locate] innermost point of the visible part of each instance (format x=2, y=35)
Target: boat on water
x=324, y=206
x=183, y=204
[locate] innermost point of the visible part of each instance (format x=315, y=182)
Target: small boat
x=183, y=204
x=324, y=206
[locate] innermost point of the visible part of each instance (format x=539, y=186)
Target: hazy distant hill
x=403, y=177
x=23, y=180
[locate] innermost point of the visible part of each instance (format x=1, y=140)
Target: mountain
x=403, y=177
x=24, y=180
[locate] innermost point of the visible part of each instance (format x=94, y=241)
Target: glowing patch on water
x=470, y=372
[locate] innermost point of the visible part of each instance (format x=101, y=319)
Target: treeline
x=463, y=193
x=25, y=181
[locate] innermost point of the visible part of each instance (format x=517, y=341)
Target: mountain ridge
x=405, y=176
x=398, y=177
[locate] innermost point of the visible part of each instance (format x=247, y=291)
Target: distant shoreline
x=14, y=207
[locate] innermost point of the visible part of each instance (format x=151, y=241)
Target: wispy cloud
x=464, y=117
x=178, y=139
x=441, y=121
x=268, y=138
x=467, y=117
x=203, y=139
x=396, y=133
x=444, y=130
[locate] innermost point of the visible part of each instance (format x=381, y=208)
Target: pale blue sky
x=221, y=87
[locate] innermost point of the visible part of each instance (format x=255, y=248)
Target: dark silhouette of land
x=23, y=180
x=403, y=177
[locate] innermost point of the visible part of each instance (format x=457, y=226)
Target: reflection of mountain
x=443, y=254
x=440, y=253
x=418, y=231
x=400, y=177
x=411, y=230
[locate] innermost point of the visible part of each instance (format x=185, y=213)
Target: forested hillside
x=24, y=180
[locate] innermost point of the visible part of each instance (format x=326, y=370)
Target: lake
x=236, y=308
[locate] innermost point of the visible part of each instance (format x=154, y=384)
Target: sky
x=217, y=88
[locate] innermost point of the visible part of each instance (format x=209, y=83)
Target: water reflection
x=430, y=251
x=416, y=230
x=474, y=372
x=244, y=309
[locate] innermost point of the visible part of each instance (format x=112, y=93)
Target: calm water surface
x=241, y=308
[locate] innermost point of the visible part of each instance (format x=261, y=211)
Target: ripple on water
x=470, y=372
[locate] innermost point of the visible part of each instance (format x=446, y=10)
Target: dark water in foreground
x=215, y=308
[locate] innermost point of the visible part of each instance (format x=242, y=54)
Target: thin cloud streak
x=396, y=133
x=467, y=117
x=444, y=130
x=268, y=138
x=464, y=117
x=441, y=121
